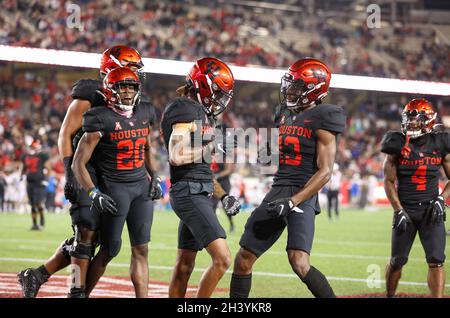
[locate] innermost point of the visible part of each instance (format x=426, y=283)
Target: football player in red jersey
x=307, y=147
x=208, y=90
x=35, y=162
x=116, y=141
x=86, y=93
x=414, y=158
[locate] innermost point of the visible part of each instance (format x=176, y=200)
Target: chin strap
x=406, y=150
x=125, y=113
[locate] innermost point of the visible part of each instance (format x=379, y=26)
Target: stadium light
x=253, y=74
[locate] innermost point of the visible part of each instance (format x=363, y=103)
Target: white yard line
x=164, y=247
x=265, y=274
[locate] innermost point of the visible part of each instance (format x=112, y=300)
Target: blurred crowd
x=237, y=34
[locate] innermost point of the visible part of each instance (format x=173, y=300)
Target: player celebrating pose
x=207, y=92
x=85, y=94
x=117, y=137
x=307, y=148
x=414, y=157
x=35, y=163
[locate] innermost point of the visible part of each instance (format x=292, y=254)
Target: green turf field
x=347, y=251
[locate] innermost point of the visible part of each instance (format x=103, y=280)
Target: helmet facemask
x=416, y=124
x=122, y=97
x=217, y=100
x=294, y=93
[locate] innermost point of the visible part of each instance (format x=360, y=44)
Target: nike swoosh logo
x=100, y=200
x=26, y=273
x=297, y=210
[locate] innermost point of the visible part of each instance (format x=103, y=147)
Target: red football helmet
x=306, y=82
x=418, y=118
x=213, y=83
x=118, y=80
x=120, y=56
x=35, y=147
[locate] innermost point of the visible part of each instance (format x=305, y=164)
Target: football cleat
x=30, y=281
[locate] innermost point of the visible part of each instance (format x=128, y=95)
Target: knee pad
x=66, y=246
x=80, y=248
x=397, y=262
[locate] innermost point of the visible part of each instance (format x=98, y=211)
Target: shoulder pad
x=92, y=121
x=150, y=110
x=331, y=118
x=444, y=142
x=183, y=110
x=86, y=89
x=392, y=142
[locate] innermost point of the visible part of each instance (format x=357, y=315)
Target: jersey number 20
x=133, y=156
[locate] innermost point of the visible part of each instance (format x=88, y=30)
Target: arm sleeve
x=333, y=119
x=92, y=122
x=392, y=143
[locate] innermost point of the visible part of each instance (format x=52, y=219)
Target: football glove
x=231, y=205
x=436, y=211
x=401, y=221
x=155, y=192
x=281, y=208
x=102, y=202
x=71, y=188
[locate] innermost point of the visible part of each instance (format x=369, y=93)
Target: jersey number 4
x=420, y=178
x=32, y=164
x=133, y=156
x=293, y=143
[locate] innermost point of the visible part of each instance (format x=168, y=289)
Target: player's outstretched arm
x=390, y=177
x=326, y=153
x=82, y=155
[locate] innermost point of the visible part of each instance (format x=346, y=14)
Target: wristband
x=92, y=192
